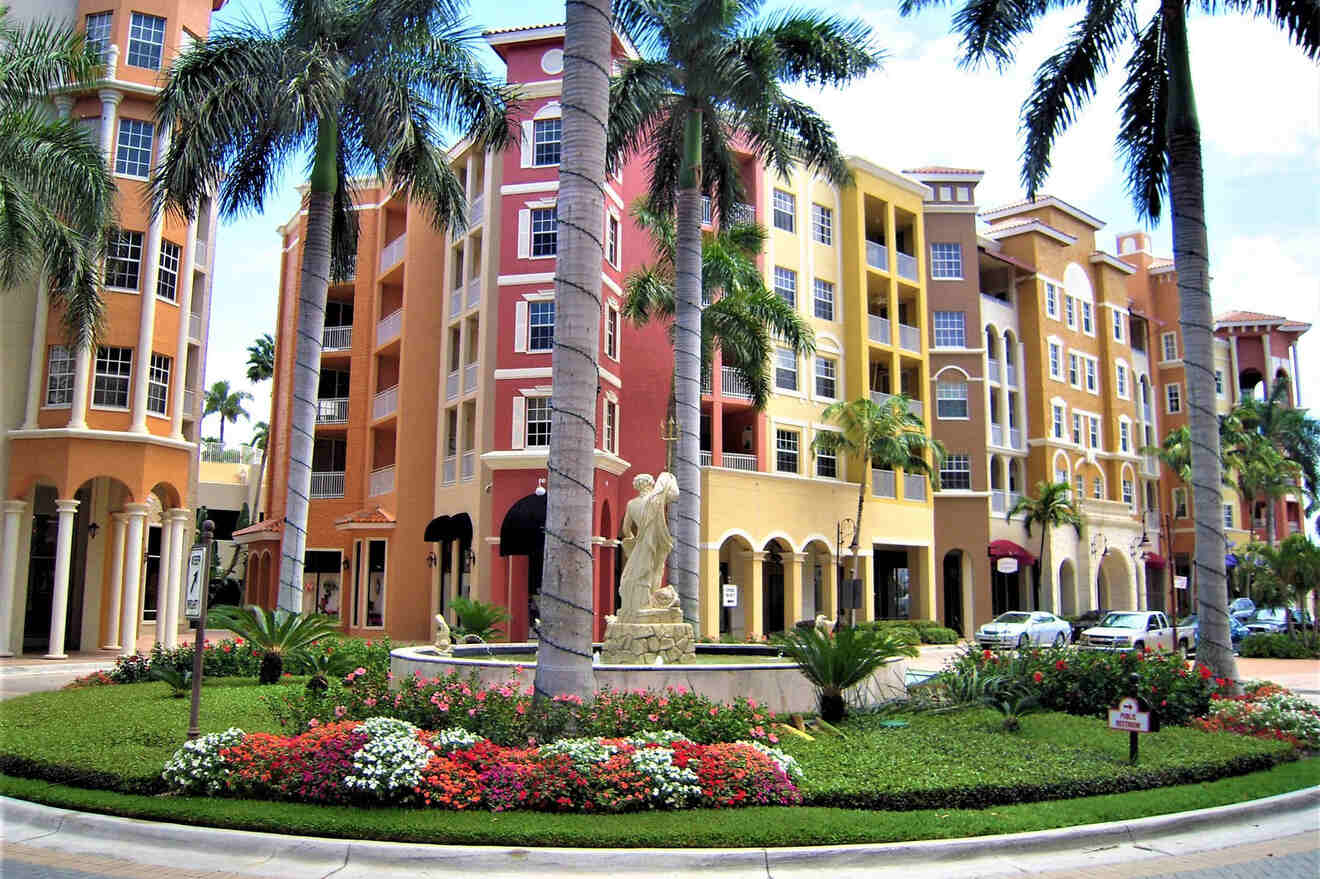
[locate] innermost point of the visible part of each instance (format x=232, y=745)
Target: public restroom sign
x=192, y=598
x=729, y=595
x=1132, y=715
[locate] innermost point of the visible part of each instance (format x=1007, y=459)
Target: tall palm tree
x=1051, y=507
x=228, y=404
x=261, y=359
x=1292, y=432
x=711, y=73
x=1160, y=140
x=350, y=87
x=563, y=663
x=260, y=440
x=1264, y=473
x=884, y=436
x=57, y=197
x=743, y=318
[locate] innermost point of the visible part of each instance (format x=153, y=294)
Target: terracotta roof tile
x=1249, y=316
x=376, y=515
x=274, y=526
x=940, y=169
x=525, y=27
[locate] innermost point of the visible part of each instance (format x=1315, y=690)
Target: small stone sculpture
x=443, y=639
x=824, y=626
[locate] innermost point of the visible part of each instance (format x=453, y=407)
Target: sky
x=1257, y=96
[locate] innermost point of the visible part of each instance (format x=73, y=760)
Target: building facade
x=98, y=452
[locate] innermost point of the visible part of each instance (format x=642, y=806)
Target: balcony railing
x=389, y=326
x=217, y=453
x=743, y=213
x=739, y=461
x=879, y=398
x=392, y=253
x=1151, y=465
x=732, y=384
x=877, y=256
x=1010, y=500
x=332, y=410
x=996, y=434
x=447, y=468
x=704, y=458
x=451, y=385
x=476, y=210
x=189, y=404
x=381, y=481
x=474, y=292
x=992, y=370
x=707, y=387
x=336, y=338
x=469, y=465
x=878, y=329
x=907, y=266
x=909, y=338
x=1015, y=438
x=385, y=402
x=705, y=210
x=327, y=483
x=914, y=487
x=1011, y=371
x=997, y=500
x=456, y=300
x=882, y=483
x=194, y=326
x=199, y=255
x=470, y=377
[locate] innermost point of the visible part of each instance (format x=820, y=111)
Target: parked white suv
x=1133, y=630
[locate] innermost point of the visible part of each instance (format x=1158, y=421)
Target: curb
x=275, y=854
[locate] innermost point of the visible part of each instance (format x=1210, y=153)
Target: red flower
x=1060, y=665
x=1204, y=672
x=986, y=654
x=1038, y=677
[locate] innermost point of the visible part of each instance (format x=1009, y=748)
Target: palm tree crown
x=226, y=403
x=1051, y=507
x=1293, y=432
x=261, y=359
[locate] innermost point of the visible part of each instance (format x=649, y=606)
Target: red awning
x=1155, y=560
x=1000, y=549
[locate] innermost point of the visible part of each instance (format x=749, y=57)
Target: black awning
x=456, y=527
x=523, y=529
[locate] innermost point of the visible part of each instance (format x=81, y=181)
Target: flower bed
x=1266, y=711
x=234, y=657
x=391, y=762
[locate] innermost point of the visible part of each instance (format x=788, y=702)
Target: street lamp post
x=843, y=530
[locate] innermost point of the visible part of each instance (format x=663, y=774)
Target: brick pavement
x=1288, y=857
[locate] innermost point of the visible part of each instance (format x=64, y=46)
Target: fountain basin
x=722, y=672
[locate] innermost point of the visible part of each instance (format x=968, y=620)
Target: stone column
x=116, y=581
x=754, y=592
x=180, y=370
x=13, y=524
x=37, y=359
x=1139, y=576
x=163, y=591
x=710, y=594
x=59, y=603
x=830, y=591
x=178, y=569
x=792, y=589
x=128, y=620
x=147, y=314
x=866, y=571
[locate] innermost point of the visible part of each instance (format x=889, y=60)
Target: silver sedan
x=1020, y=628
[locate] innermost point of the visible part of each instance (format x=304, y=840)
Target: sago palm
x=277, y=633
x=348, y=87
x=1051, y=507
x=1159, y=138
x=57, y=197
x=710, y=80
x=228, y=404
x=835, y=662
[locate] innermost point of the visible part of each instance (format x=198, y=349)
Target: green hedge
x=1279, y=646
x=924, y=631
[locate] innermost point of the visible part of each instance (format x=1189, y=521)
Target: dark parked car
x=1237, y=631
x=1085, y=621
x=1241, y=609
x=1272, y=620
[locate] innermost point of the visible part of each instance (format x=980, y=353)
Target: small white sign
x=192, y=597
x=729, y=595
x=1128, y=716
x=1006, y=565
x=1179, y=582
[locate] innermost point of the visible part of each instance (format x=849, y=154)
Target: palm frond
x=815, y=48
x=641, y=97
x=42, y=56
x=1300, y=19
x=1143, y=105
x=991, y=29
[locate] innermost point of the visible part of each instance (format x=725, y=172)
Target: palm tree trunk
x=1191, y=259
x=684, y=562
x=1270, y=532
x=222, y=429
x=856, y=537
x=313, y=286
x=1040, y=562
x=563, y=660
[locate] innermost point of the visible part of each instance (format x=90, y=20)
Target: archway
x=735, y=568
x=773, y=570
x=818, y=576
x=953, y=589
x=523, y=533
x=604, y=571
x=1068, y=587
x=1113, y=584
x=1252, y=384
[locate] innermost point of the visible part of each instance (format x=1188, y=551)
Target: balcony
x=1010, y=499
x=473, y=293
x=743, y=213
x=451, y=384
x=707, y=388
x=740, y=461
x=909, y=338
x=705, y=210
x=998, y=501
x=469, y=466
x=476, y=210
x=704, y=458
x=385, y=403
x=877, y=256
x=381, y=481
x=917, y=408
x=332, y=410
x=389, y=326
x=1011, y=371
x=217, y=453
x=878, y=329
x=327, y=483
x=882, y=483
x=996, y=434
x=447, y=468
x=470, y=377
x=992, y=370
x=914, y=487
x=1015, y=438
x=1150, y=465
x=732, y=384
x=392, y=254
x=456, y=300
x=189, y=404
x=199, y=255
x=880, y=398
x=336, y=338
x=907, y=266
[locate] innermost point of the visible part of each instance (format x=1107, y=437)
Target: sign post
x=197, y=598
x=1134, y=715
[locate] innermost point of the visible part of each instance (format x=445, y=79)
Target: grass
x=754, y=827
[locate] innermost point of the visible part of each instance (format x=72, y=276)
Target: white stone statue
x=443, y=640
x=648, y=543
x=632, y=513
x=824, y=626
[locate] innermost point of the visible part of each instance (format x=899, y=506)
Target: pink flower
x=313, y=723
x=653, y=717
x=714, y=710
x=443, y=706
x=370, y=701
x=521, y=709
x=472, y=712
x=340, y=711
x=517, y=669
x=359, y=670
x=774, y=739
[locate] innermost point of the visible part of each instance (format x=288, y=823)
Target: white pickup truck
x=1133, y=630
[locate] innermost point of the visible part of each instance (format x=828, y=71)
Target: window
x=785, y=210
x=1169, y=345
x=1088, y=318
x=1051, y=301
x=951, y=399
x=1128, y=494
x=1091, y=384
x=547, y=134
x=611, y=426
x=827, y=465
x=956, y=473
x=1077, y=428
x=1056, y=358
x=786, y=285
x=946, y=260
x=545, y=231
x=1080, y=486
x=146, y=40
x=612, y=240
x=1228, y=515
x=1124, y=436
x=950, y=329
x=826, y=384
x=824, y=299
x=113, y=368
x=123, y=260
x=538, y=421
x=1180, y=503
x=1118, y=326
x=786, y=451
x=1093, y=430
x=1121, y=380
x=1070, y=311
x=1060, y=475
x=1219, y=383
x=611, y=333
x=133, y=157
x=1098, y=488
x=98, y=31
x=1058, y=421
x=822, y=224
x=158, y=383
x=167, y=279
x=541, y=325
x=59, y=376
x=1074, y=376
x=785, y=369
x=1173, y=398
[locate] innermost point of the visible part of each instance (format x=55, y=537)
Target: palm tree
x=57, y=197
x=710, y=73
x=350, y=87
x=1160, y=140
x=1051, y=507
x=260, y=440
x=886, y=436
x=743, y=318
x=563, y=664
x=1264, y=473
x=261, y=359
x=228, y=404
x=1293, y=433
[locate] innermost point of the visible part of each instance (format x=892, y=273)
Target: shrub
x=276, y=632
x=1268, y=712
x=239, y=657
x=939, y=635
x=179, y=682
x=835, y=662
x=1278, y=646
x=95, y=679
x=479, y=618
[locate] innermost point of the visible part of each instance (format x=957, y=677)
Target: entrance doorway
x=772, y=576
x=953, y=590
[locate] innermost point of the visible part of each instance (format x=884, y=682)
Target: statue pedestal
x=638, y=637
